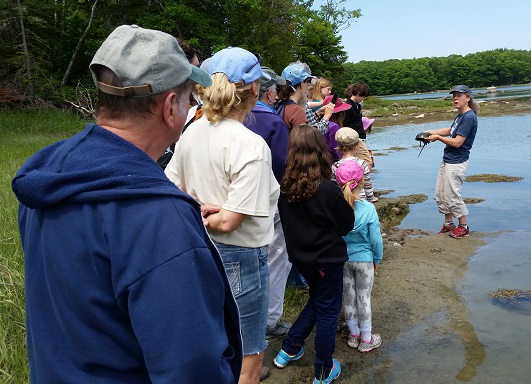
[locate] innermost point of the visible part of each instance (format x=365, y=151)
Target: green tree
x=334, y=13
x=320, y=49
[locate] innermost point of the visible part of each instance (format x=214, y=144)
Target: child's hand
x=328, y=111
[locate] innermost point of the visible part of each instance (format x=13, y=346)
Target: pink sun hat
x=339, y=105
x=366, y=122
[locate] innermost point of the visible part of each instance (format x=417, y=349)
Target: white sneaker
x=367, y=347
x=353, y=341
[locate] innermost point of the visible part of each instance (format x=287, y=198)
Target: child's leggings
x=358, y=279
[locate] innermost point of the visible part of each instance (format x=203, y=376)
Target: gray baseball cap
x=147, y=62
x=462, y=89
x=266, y=83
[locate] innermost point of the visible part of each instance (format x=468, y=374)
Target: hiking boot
x=447, y=228
x=283, y=358
x=334, y=373
x=280, y=329
x=376, y=341
x=460, y=232
x=353, y=341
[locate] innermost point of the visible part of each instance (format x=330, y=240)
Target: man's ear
x=171, y=109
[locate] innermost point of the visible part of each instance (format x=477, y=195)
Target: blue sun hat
x=296, y=73
x=238, y=64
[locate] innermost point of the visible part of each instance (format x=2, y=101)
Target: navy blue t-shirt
x=466, y=125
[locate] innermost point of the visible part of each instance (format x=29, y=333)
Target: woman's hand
x=206, y=210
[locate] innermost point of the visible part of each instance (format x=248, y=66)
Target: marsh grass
x=374, y=106
x=22, y=133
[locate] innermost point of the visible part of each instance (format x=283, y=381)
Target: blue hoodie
x=123, y=284
x=364, y=242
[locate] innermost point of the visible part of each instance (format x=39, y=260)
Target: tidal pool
x=478, y=341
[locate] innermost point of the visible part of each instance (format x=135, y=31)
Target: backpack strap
x=281, y=108
x=198, y=114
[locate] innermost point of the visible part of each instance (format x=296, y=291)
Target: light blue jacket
x=364, y=242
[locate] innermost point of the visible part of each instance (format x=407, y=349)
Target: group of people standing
x=135, y=274
x=238, y=168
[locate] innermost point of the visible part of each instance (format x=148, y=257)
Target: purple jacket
x=330, y=138
x=272, y=128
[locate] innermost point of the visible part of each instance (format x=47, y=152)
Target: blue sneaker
x=334, y=373
x=283, y=358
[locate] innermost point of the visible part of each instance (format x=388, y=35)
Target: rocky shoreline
x=418, y=115
x=416, y=279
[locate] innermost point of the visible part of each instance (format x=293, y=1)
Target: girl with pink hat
x=365, y=252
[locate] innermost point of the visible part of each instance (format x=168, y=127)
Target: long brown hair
x=472, y=104
x=338, y=118
x=308, y=163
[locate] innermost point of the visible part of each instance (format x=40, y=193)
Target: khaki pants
x=363, y=153
x=448, y=189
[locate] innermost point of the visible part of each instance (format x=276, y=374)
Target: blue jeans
x=248, y=276
x=295, y=278
x=322, y=309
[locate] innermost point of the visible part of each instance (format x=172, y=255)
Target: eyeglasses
x=308, y=80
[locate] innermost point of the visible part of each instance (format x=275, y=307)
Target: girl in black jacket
x=315, y=216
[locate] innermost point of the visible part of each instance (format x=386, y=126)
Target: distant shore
x=420, y=115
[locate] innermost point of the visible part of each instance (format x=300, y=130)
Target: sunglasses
x=259, y=62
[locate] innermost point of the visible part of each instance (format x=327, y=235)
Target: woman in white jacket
x=365, y=251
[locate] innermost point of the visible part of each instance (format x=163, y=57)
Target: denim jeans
x=248, y=276
x=322, y=309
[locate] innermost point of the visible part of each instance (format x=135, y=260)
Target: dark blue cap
x=462, y=89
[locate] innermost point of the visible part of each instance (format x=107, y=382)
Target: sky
x=407, y=29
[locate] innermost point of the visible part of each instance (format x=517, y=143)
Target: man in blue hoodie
x=123, y=284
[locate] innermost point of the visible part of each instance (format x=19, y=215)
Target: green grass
x=294, y=302
x=379, y=107
x=22, y=133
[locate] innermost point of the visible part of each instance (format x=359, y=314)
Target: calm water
x=480, y=93
x=490, y=344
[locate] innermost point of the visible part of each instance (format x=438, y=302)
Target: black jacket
x=314, y=227
x=353, y=118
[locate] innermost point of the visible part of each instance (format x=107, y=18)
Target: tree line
x=47, y=45
x=481, y=69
